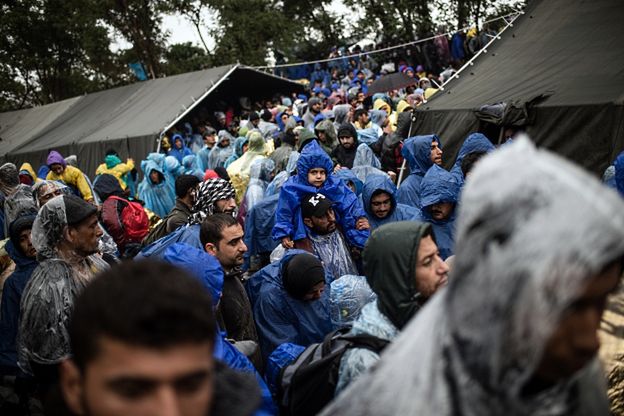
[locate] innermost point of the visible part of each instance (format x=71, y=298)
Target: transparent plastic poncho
x=348, y=295
x=533, y=228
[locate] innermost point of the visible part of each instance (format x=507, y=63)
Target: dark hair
x=144, y=303
x=183, y=183
x=211, y=229
x=359, y=112
x=469, y=160
x=113, y=152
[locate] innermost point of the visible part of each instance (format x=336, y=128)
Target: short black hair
x=211, y=229
x=469, y=160
x=183, y=183
x=144, y=303
x=359, y=112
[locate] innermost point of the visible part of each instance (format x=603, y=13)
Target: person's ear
x=71, y=382
x=69, y=233
x=308, y=222
x=210, y=249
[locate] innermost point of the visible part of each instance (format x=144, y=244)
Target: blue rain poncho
x=189, y=163
x=182, y=151
x=288, y=221
x=239, y=143
x=208, y=271
x=11, y=297
x=348, y=295
x=219, y=154
x=158, y=197
x=398, y=212
x=281, y=318
x=475, y=142
x=619, y=173
x=346, y=175
x=437, y=186
x=417, y=152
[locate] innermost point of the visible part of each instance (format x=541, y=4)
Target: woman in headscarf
x=539, y=248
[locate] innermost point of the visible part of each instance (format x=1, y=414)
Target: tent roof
x=570, y=48
x=142, y=109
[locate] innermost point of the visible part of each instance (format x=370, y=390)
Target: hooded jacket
x=27, y=167
x=417, y=151
x=398, y=212
x=288, y=221
x=113, y=166
x=342, y=155
x=259, y=178
x=331, y=138
x=619, y=173
x=189, y=163
x=159, y=197
x=437, y=186
x=279, y=317
x=366, y=163
x=48, y=297
x=11, y=297
x=182, y=151
x=71, y=176
x=518, y=267
x=341, y=115
x=239, y=143
x=239, y=169
x=220, y=154
x=475, y=142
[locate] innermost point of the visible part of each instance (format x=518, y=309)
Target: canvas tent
x=559, y=72
x=129, y=119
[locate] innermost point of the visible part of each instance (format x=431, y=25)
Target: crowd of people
x=306, y=253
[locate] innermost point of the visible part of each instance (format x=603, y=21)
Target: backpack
x=134, y=219
x=308, y=384
x=158, y=232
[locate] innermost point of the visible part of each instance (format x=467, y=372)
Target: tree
x=184, y=57
x=51, y=50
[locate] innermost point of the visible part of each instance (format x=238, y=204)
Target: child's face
x=316, y=177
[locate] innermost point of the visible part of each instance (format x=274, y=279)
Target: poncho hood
x=55, y=157
x=417, y=151
x=438, y=185
x=390, y=258
x=313, y=156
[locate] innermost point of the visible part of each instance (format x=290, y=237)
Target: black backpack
x=309, y=383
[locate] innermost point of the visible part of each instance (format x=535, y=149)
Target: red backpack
x=134, y=219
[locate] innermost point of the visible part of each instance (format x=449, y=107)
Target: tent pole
x=409, y=134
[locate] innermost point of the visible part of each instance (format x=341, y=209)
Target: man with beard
x=344, y=153
x=420, y=152
x=314, y=108
x=326, y=240
x=65, y=235
x=222, y=237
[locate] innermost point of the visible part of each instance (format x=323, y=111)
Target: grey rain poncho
x=347, y=297
x=532, y=230
x=49, y=295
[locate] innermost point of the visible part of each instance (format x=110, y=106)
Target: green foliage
x=184, y=57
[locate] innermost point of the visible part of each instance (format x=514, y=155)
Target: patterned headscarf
x=209, y=193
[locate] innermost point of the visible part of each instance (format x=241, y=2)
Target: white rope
x=389, y=48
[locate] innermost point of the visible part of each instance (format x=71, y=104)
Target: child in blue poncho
x=314, y=169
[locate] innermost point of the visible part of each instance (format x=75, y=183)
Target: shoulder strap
x=368, y=342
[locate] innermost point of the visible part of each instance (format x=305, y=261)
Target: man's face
x=575, y=341
x=84, y=236
x=231, y=248
x=324, y=224
x=360, y=98
x=442, y=210
x=431, y=270
x=209, y=140
x=226, y=206
x=381, y=204
x=347, y=141
x=315, y=293
x=321, y=136
x=255, y=122
x=46, y=193
x=316, y=107
x=316, y=177
x=225, y=142
x=363, y=119
x=25, y=244
x=178, y=144
x=126, y=379
x=436, y=153
x=57, y=168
